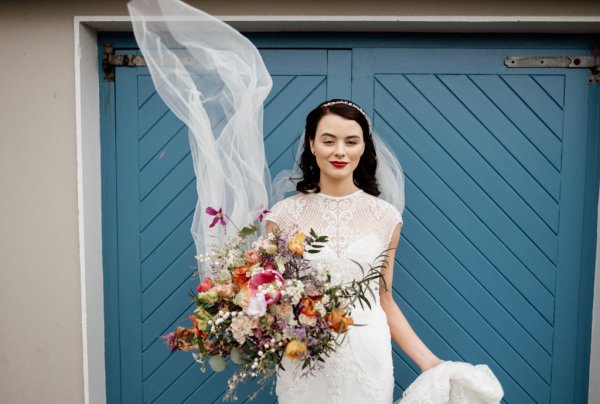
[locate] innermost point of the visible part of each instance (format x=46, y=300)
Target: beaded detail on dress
x=359, y=227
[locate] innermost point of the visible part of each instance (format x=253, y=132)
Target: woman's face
x=337, y=146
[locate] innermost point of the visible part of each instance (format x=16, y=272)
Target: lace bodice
x=347, y=220
x=359, y=227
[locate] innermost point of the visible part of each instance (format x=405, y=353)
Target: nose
x=339, y=150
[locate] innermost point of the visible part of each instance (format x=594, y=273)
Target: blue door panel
x=484, y=153
x=490, y=258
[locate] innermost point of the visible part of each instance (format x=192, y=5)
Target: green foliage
x=248, y=231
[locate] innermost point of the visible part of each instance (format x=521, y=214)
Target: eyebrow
x=348, y=137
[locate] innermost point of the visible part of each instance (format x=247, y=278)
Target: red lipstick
x=339, y=164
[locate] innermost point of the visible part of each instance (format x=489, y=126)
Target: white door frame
x=88, y=143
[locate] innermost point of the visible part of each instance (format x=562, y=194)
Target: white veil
x=214, y=80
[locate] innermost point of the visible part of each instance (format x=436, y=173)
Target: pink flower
x=171, y=341
x=225, y=291
x=252, y=257
x=218, y=214
x=268, y=277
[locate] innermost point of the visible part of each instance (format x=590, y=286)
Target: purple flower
x=300, y=333
x=312, y=341
x=262, y=214
x=218, y=214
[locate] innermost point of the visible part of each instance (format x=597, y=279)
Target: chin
x=337, y=175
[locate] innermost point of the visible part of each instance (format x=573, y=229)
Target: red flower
x=218, y=214
x=270, y=266
x=205, y=285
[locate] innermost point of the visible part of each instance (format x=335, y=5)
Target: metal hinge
x=110, y=60
x=591, y=62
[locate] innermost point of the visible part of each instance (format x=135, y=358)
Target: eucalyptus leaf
x=217, y=363
x=237, y=357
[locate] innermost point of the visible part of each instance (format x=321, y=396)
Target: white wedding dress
x=359, y=227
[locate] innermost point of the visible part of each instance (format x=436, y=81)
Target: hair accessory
x=351, y=104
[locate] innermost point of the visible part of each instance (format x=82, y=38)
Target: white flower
x=320, y=308
x=307, y=320
x=257, y=306
x=241, y=328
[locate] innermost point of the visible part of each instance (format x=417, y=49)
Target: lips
x=339, y=164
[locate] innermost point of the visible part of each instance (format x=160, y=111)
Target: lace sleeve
x=395, y=218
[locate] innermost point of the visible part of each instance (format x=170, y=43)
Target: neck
x=337, y=188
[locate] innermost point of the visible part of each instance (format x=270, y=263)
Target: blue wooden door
x=493, y=168
x=492, y=262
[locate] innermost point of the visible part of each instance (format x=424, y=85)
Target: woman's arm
x=402, y=332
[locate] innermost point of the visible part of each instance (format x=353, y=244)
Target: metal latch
x=591, y=62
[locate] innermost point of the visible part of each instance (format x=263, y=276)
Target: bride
x=339, y=198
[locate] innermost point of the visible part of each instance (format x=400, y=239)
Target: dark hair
x=364, y=174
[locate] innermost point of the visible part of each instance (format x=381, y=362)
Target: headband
x=351, y=104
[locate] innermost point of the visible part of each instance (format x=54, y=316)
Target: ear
x=312, y=146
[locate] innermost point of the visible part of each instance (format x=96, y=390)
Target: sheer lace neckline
x=338, y=198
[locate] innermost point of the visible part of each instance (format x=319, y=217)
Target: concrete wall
x=41, y=344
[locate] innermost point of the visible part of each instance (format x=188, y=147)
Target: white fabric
x=215, y=81
x=359, y=227
x=455, y=383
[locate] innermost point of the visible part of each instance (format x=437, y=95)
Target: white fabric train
x=454, y=383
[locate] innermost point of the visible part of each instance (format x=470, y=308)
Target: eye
x=352, y=142
x=328, y=142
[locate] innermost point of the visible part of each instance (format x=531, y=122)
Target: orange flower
x=197, y=329
x=239, y=275
x=338, y=321
x=307, y=307
x=295, y=349
x=296, y=244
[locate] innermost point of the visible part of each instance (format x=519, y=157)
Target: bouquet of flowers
x=265, y=300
